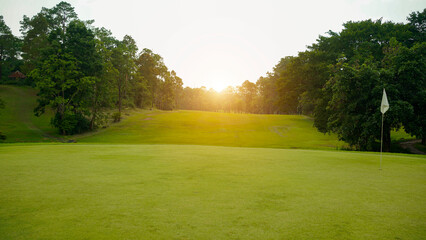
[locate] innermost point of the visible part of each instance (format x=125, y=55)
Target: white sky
x=217, y=43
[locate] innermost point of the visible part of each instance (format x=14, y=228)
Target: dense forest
x=87, y=77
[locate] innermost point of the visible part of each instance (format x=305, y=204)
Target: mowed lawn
x=217, y=129
x=78, y=191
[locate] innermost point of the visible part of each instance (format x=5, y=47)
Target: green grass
x=76, y=191
x=219, y=129
x=148, y=177
x=17, y=120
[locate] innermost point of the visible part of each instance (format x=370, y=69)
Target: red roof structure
x=17, y=74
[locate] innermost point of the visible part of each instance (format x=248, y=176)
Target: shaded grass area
x=200, y=192
x=212, y=128
x=17, y=120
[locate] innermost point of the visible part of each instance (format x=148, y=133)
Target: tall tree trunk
x=94, y=108
x=1, y=62
x=62, y=110
x=119, y=99
x=92, y=121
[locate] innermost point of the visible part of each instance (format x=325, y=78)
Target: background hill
x=17, y=120
x=18, y=123
x=213, y=128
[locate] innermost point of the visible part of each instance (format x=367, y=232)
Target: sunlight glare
x=219, y=81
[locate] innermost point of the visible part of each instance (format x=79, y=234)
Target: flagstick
x=381, y=143
x=384, y=106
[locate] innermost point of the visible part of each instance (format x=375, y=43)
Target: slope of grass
x=78, y=191
x=17, y=120
x=212, y=128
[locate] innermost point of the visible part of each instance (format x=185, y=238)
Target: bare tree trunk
x=94, y=108
x=62, y=110
x=125, y=86
x=1, y=62
x=119, y=98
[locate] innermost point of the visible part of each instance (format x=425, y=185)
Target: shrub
x=116, y=116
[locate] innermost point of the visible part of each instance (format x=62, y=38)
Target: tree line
x=339, y=81
x=84, y=73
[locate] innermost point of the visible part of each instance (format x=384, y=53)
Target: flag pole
x=381, y=143
x=383, y=108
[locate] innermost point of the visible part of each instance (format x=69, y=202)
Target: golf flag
x=385, y=104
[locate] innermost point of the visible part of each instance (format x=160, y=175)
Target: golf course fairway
x=93, y=191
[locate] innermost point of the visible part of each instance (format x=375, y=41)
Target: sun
x=218, y=82
x=218, y=86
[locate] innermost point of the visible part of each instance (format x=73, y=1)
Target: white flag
x=385, y=104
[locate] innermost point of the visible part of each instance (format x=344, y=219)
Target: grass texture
x=79, y=191
x=217, y=129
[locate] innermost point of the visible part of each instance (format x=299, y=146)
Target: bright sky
x=217, y=43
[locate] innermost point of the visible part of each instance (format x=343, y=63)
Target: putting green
x=77, y=191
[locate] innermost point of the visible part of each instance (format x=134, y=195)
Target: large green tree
x=406, y=66
x=153, y=72
x=123, y=60
x=170, y=88
x=248, y=93
x=9, y=50
x=35, y=33
x=102, y=94
x=339, y=80
x=66, y=77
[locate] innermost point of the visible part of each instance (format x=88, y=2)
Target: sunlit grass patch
x=213, y=128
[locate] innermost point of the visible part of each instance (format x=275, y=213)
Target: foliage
x=9, y=51
x=340, y=78
x=122, y=59
x=408, y=66
x=83, y=72
x=116, y=116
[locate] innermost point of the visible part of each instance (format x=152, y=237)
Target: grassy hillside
x=76, y=191
x=211, y=128
x=17, y=120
